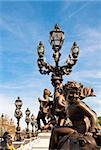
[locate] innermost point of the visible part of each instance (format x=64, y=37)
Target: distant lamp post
x=2, y=119
x=33, y=123
x=57, y=72
x=18, y=115
x=27, y=119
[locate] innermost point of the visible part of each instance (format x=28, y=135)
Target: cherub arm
x=61, y=101
x=90, y=114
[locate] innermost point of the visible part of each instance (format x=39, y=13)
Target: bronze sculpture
x=67, y=101
x=44, y=108
x=84, y=119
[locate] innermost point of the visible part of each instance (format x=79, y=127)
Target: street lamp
x=18, y=115
x=57, y=72
x=2, y=117
x=27, y=119
x=33, y=123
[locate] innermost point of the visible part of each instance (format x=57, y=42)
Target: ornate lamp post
x=18, y=115
x=57, y=72
x=27, y=119
x=2, y=118
x=33, y=123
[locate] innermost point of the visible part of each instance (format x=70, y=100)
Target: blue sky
x=22, y=25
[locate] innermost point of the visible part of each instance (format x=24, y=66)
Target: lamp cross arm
x=44, y=67
x=70, y=62
x=65, y=70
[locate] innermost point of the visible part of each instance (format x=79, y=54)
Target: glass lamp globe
x=56, y=38
x=41, y=50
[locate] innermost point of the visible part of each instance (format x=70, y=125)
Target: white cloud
x=73, y=12
x=89, y=42
x=93, y=74
x=24, y=30
x=94, y=104
x=77, y=11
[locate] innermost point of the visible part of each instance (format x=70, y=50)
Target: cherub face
x=72, y=95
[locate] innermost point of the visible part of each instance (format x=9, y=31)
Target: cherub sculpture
x=44, y=107
x=84, y=119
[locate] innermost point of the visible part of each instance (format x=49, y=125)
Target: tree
x=7, y=124
x=99, y=119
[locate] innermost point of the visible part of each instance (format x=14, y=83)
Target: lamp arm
x=70, y=62
x=44, y=67
x=65, y=70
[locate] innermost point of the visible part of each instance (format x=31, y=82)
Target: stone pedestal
x=37, y=143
